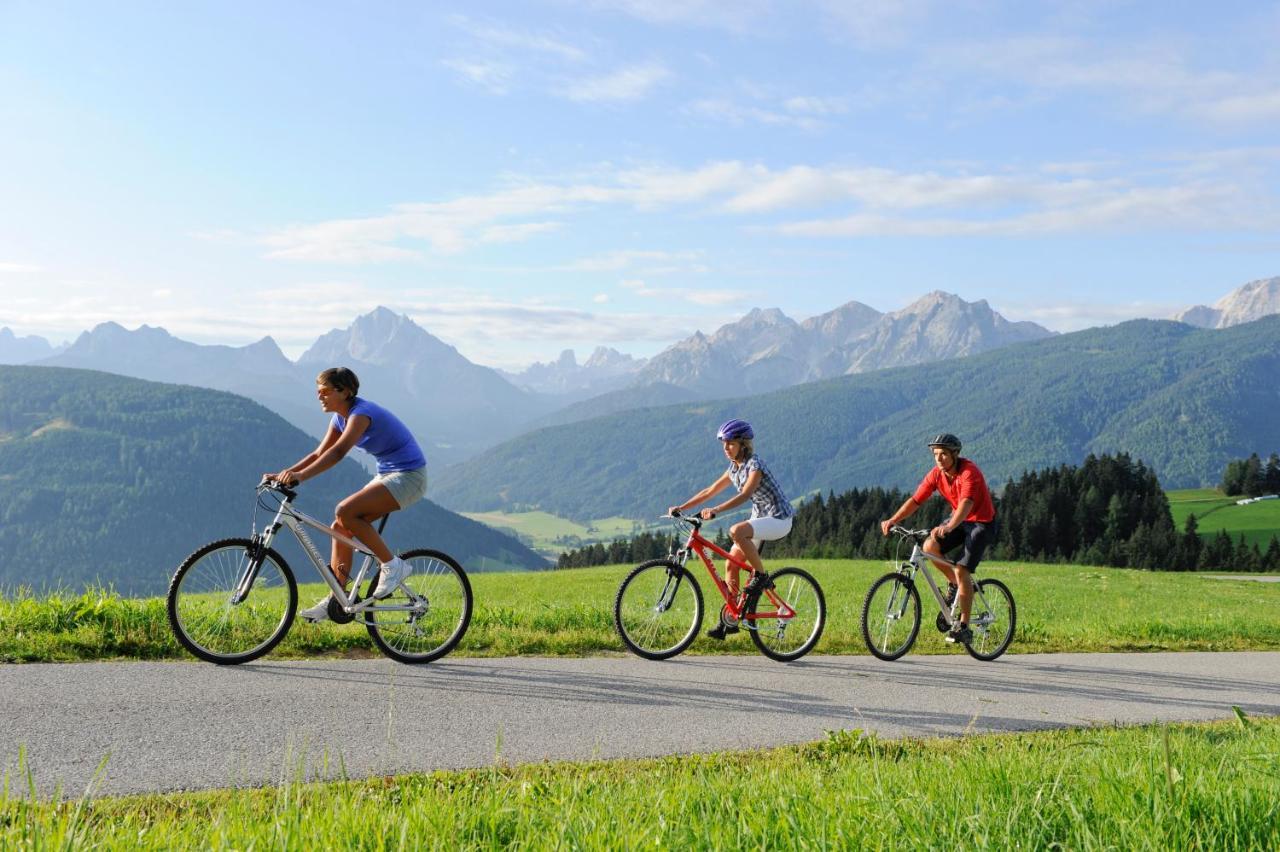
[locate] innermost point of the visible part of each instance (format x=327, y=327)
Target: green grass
x=551, y=535
x=1161, y=787
x=1214, y=511
x=1060, y=608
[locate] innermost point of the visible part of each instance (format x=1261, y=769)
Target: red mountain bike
x=659, y=606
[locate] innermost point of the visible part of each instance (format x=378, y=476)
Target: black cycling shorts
x=974, y=538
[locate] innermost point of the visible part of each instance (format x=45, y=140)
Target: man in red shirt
x=972, y=522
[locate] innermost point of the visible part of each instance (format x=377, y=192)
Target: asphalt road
x=168, y=726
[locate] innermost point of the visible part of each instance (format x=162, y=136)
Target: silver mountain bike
x=233, y=600
x=891, y=610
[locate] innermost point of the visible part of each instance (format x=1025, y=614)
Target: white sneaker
x=390, y=576
x=317, y=613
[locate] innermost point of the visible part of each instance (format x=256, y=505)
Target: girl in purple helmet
x=771, y=513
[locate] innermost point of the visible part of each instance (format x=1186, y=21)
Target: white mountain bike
x=234, y=600
x=891, y=610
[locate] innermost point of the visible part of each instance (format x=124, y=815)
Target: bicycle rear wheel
x=430, y=619
x=992, y=620
x=891, y=616
x=209, y=616
x=787, y=639
x=658, y=609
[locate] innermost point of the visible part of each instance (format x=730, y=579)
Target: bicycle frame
x=700, y=545
x=917, y=563
x=296, y=521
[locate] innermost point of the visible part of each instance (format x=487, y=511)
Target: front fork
x=256, y=553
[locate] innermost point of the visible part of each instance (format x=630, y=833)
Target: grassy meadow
x=1215, y=511
x=550, y=535
x=1207, y=786
x=1060, y=608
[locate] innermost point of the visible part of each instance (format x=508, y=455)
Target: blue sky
x=524, y=177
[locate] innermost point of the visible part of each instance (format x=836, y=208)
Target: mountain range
x=458, y=408
x=114, y=480
x=767, y=350
x=1183, y=400
x=21, y=350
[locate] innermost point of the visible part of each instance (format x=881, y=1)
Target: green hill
x=1183, y=400
x=115, y=480
x=1258, y=522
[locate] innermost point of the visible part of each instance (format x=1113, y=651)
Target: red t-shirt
x=968, y=482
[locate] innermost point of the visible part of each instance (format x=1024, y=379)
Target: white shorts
x=768, y=529
x=406, y=486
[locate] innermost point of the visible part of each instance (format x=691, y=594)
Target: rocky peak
x=1253, y=301
x=380, y=337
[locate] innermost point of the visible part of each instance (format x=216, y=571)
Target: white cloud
x=1074, y=316
x=719, y=109
x=1151, y=77
x=626, y=84
x=1199, y=206
x=18, y=268
x=1211, y=195
x=500, y=36
x=693, y=295
x=732, y=15
x=495, y=77
x=651, y=261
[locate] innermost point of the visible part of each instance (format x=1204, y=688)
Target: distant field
x=1214, y=511
x=1060, y=608
x=551, y=535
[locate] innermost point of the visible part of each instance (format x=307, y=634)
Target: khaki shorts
x=406, y=486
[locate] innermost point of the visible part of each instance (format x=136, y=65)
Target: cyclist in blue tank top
x=400, y=482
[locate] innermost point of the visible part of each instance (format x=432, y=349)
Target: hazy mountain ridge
x=1253, y=301
x=115, y=480
x=604, y=370
x=767, y=350
x=22, y=350
x=1183, y=400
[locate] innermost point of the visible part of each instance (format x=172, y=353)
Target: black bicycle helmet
x=947, y=441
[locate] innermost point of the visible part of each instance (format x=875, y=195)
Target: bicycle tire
x=985, y=648
x=655, y=616
x=203, y=617
x=904, y=598
x=802, y=593
x=436, y=627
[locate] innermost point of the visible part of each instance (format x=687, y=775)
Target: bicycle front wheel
x=992, y=620
x=789, y=638
x=428, y=613
x=226, y=607
x=658, y=609
x=891, y=616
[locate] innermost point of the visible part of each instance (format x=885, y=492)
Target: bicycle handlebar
x=919, y=535
x=692, y=520
x=275, y=485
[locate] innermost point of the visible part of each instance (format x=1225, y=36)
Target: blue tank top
x=387, y=439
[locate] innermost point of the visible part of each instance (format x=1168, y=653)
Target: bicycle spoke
x=658, y=609
x=203, y=611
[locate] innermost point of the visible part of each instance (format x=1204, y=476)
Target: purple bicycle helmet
x=732, y=430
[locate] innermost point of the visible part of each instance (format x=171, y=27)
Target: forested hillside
x=1182, y=399
x=115, y=480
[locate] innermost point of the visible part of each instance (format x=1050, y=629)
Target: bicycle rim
x=427, y=615
x=790, y=638
x=205, y=616
x=992, y=620
x=891, y=616
x=658, y=610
